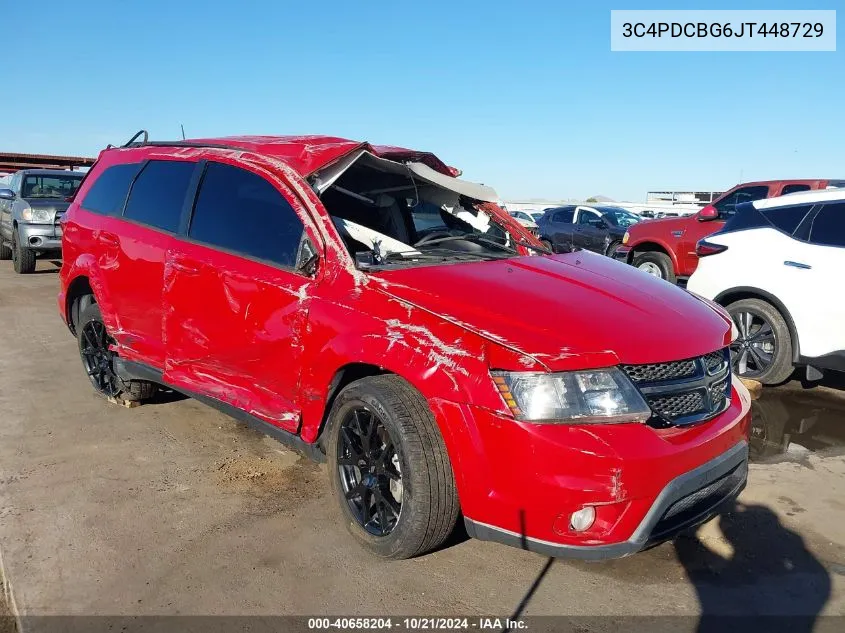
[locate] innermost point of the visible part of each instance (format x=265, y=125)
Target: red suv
x=665, y=248
x=363, y=305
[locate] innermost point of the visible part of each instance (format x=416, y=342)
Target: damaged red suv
x=364, y=305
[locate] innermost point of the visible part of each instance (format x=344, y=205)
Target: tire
x=653, y=261
x=5, y=251
x=105, y=381
x=753, y=342
x=23, y=258
x=611, y=249
x=548, y=245
x=427, y=499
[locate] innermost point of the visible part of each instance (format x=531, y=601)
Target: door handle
x=109, y=240
x=797, y=265
x=187, y=267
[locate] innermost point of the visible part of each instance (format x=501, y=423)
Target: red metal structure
x=12, y=162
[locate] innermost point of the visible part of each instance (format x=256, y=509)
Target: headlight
x=625, y=237
x=37, y=216
x=602, y=396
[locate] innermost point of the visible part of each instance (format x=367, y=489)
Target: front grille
x=678, y=406
x=658, y=372
x=685, y=391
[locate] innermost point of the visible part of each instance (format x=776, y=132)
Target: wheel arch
x=75, y=300
x=749, y=292
x=651, y=246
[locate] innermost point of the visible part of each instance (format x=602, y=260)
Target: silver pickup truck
x=31, y=205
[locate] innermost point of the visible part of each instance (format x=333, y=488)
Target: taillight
x=705, y=248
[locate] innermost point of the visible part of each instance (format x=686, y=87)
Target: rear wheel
x=23, y=258
x=762, y=350
x=656, y=264
x=98, y=360
x=548, y=245
x=389, y=469
x=611, y=249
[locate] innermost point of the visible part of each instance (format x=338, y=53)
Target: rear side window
x=239, y=211
x=787, y=219
x=158, y=194
x=108, y=193
x=794, y=189
x=563, y=216
x=829, y=225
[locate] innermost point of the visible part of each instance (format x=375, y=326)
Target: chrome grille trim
x=686, y=391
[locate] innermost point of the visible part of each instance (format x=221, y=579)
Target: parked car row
x=665, y=248
x=363, y=305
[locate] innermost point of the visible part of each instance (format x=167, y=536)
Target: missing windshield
x=387, y=213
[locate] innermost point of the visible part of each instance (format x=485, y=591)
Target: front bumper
x=40, y=237
x=520, y=482
x=621, y=253
x=686, y=501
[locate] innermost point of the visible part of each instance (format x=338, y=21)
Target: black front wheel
x=389, y=469
x=762, y=350
x=98, y=360
x=23, y=258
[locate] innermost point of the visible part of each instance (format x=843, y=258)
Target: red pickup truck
x=666, y=248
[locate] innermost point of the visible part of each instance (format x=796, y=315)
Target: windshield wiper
x=470, y=237
x=539, y=249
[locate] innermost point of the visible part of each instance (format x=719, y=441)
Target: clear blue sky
x=526, y=97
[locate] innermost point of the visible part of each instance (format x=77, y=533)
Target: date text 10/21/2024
x=417, y=623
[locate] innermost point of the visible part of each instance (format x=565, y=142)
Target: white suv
x=778, y=266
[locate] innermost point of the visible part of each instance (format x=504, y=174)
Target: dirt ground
x=173, y=508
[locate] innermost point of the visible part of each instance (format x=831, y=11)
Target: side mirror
x=602, y=224
x=708, y=213
x=309, y=266
x=7, y=194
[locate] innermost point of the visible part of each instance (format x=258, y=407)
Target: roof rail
x=131, y=142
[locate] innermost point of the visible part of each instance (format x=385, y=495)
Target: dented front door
x=236, y=309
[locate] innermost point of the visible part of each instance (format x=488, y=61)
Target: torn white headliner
x=419, y=171
x=371, y=238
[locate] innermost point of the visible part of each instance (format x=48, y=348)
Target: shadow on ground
x=760, y=577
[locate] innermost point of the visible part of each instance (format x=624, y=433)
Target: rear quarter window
x=829, y=225
x=108, y=192
x=787, y=219
x=158, y=195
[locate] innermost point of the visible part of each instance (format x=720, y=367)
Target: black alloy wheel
x=98, y=358
x=369, y=471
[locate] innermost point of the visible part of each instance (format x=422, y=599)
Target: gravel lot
x=172, y=508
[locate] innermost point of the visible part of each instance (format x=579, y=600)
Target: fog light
x=583, y=519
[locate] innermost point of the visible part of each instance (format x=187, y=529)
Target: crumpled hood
x=576, y=310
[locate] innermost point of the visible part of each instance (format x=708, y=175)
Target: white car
x=525, y=219
x=778, y=266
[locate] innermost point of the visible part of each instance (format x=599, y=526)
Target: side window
x=108, y=193
x=239, y=211
x=787, y=219
x=794, y=189
x=158, y=194
x=829, y=225
x=564, y=216
x=727, y=205
x=588, y=217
